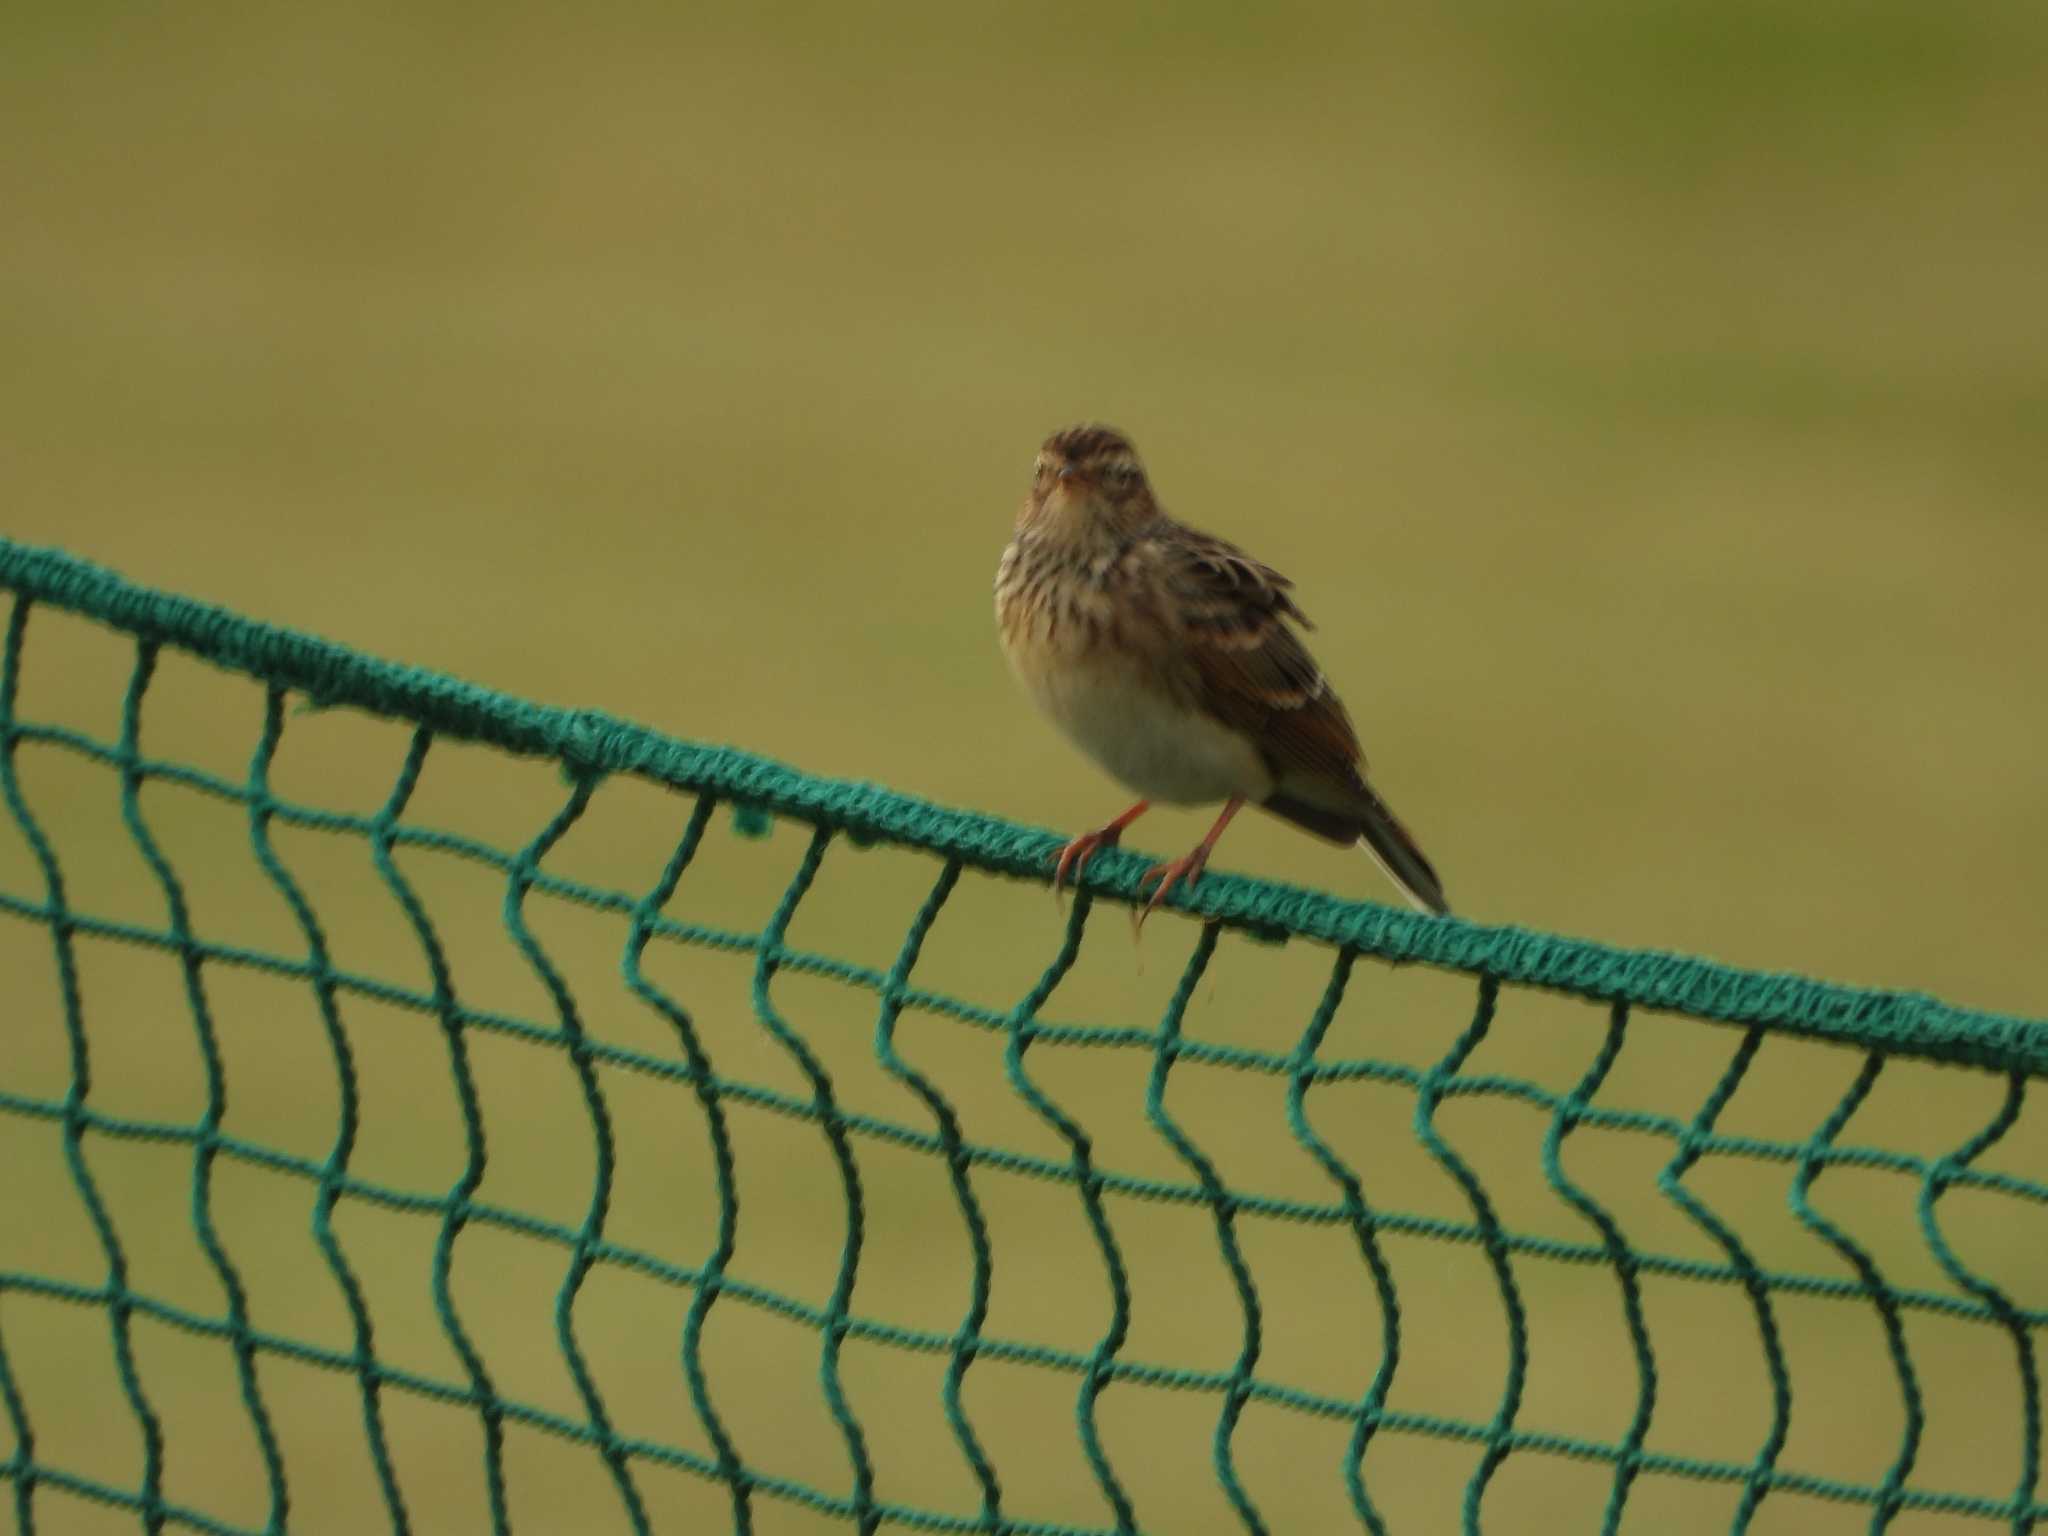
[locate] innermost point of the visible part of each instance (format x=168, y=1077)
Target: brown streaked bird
x=1169, y=657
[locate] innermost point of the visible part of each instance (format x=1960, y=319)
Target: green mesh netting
x=1374, y=1213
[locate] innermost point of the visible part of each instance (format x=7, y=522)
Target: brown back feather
x=1251, y=669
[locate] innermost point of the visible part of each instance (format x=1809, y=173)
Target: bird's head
x=1087, y=482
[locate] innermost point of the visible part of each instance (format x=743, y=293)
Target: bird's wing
x=1247, y=665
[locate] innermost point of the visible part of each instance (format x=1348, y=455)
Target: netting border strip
x=592, y=742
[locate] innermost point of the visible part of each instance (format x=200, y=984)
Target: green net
x=1268, y=1429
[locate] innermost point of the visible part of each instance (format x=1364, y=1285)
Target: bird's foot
x=1075, y=856
x=1183, y=872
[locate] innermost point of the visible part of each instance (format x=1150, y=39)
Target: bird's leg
x=1185, y=871
x=1075, y=856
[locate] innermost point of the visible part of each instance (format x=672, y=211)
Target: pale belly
x=1157, y=748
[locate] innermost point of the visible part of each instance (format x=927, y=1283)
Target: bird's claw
x=1183, y=872
x=1073, y=860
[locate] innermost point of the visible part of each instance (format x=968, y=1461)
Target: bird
x=1175, y=661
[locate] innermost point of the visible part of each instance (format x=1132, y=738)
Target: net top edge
x=594, y=742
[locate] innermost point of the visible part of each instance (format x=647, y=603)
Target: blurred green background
x=1649, y=397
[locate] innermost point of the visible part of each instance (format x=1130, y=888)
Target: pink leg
x=1075, y=856
x=1186, y=871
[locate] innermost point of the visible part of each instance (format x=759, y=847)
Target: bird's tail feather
x=1395, y=852
x=1368, y=823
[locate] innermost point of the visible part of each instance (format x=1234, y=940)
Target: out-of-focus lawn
x=1650, y=401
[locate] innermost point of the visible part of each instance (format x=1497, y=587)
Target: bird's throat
x=1075, y=524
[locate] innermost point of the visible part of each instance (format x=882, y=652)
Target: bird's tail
x=1366, y=821
x=1395, y=852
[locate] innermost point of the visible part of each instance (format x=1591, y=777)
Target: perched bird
x=1168, y=657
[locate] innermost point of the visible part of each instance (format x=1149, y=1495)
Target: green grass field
x=1649, y=401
